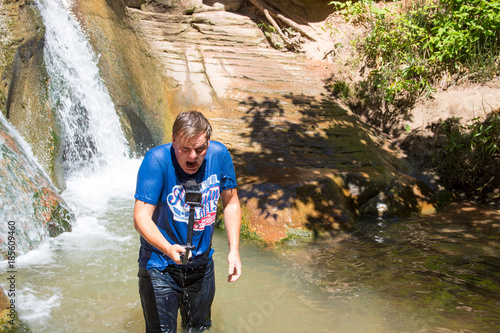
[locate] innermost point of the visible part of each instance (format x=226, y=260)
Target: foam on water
x=89, y=199
x=43, y=255
x=93, y=234
x=37, y=305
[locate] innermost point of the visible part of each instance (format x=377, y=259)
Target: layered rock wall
x=303, y=161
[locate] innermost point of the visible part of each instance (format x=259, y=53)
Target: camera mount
x=192, y=198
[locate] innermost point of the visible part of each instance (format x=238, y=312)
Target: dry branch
x=271, y=13
x=277, y=27
x=296, y=27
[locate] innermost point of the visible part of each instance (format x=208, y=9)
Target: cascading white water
x=97, y=168
x=91, y=131
x=20, y=172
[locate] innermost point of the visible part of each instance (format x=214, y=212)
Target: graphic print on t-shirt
x=204, y=215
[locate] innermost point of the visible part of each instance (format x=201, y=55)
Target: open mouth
x=191, y=165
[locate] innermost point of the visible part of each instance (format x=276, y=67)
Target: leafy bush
x=408, y=50
x=341, y=89
x=354, y=12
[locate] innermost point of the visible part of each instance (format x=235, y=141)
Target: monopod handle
x=185, y=256
x=189, y=239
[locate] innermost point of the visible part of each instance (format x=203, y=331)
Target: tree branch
x=277, y=27
x=270, y=13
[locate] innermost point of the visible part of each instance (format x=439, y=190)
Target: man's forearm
x=232, y=221
x=147, y=228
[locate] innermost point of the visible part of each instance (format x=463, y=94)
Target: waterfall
x=91, y=132
x=95, y=152
x=100, y=178
x=91, y=135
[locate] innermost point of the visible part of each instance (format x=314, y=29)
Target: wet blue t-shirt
x=161, y=182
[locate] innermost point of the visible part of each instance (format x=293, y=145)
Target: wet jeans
x=164, y=293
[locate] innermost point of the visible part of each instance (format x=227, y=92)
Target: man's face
x=190, y=153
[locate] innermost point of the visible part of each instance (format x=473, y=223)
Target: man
x=161, y=218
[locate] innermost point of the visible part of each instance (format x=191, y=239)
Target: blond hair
x=190, y=124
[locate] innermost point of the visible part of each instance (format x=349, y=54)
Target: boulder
x=32, y=208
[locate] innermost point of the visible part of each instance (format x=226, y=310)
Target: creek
x=429, y=274
x=432, y=274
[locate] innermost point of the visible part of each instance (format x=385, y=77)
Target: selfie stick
x=193, y=199
x=189, y=239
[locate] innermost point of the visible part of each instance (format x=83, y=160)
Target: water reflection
x=438, y=273
x=434, y=274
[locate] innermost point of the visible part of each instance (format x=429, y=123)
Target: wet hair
x=190, y=124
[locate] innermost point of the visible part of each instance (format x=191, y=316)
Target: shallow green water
x=434, y=274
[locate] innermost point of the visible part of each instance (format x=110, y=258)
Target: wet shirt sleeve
x=228, y=174
x=150, y=180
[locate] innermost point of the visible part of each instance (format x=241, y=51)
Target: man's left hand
x=234, y=262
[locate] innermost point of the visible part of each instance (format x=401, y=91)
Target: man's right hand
x=174, y=252
x=144, y=224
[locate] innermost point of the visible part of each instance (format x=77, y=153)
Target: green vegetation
x=295, y=236
x=271, y=35
x=469, y=158
x=409, y=50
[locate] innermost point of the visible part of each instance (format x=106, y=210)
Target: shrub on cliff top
x=409, y=49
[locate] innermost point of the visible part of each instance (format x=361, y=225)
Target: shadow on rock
x=313, y=165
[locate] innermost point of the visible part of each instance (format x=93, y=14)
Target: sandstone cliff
x=303, y=161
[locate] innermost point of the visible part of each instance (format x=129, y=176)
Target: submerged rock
x=9, y=320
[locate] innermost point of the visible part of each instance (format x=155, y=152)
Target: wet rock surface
x=32, y=209
x=23, y=89
x=303, y=161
